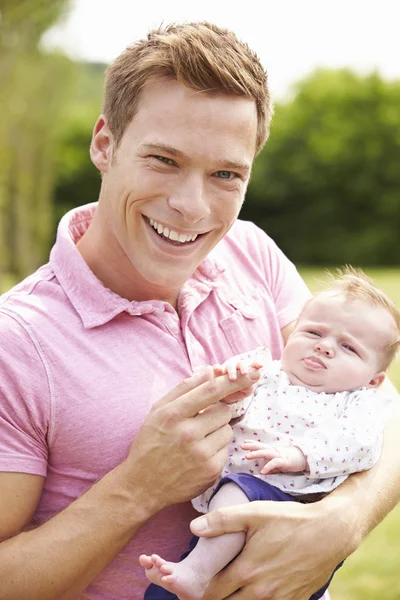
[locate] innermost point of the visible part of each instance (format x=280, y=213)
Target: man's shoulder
x=246, y=237
x=29, y=297
x=246, y=231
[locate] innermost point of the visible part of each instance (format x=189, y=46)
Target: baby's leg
x=189, y=579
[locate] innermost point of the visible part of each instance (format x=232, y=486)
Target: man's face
x=337, y=344
x=177, y=181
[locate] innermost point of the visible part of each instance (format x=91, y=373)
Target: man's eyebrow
x=234, y=165
x=158, y=148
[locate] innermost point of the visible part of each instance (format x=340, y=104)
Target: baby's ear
x=377, y=380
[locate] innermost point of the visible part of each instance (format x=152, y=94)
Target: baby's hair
x=355, y=284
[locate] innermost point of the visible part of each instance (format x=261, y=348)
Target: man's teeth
x=172, y=235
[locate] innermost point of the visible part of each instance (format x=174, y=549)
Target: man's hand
x=291, y=549
x=182, y=446
x=279, y=459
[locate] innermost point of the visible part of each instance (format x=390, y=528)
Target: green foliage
x=326, y=185
x=34, y=92
x=24, y=21
x=77, y=180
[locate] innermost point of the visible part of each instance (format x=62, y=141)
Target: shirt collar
x=95, y=303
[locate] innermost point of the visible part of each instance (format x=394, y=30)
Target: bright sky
x=292, y=37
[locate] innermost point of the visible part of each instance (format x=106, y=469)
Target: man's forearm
x=59, y=559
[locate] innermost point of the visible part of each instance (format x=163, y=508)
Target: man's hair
x=200, y=56
x=355, y=284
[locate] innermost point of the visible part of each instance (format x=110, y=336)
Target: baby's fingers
x=252, y=445
x=256, y=454
x=273, y=466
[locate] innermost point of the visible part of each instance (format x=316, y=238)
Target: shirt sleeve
x=351, y=442
x=24, y=400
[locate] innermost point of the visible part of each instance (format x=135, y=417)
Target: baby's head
x=345, y=338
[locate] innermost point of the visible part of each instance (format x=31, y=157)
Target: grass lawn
x=372, y=573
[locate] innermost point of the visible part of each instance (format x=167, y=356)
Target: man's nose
x=190, y=199
x=325, y=348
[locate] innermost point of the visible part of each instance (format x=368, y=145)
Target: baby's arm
x=278, y=459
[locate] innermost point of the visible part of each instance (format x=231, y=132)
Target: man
x=99, y=452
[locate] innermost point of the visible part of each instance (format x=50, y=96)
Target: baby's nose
x=325, y=348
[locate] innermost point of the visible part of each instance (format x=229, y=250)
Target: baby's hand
x=279, y=459
x=235, y=364
x=231, y=368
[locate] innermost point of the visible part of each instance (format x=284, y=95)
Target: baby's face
x=337, y=344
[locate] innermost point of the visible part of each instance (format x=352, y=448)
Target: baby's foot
x=178, y=578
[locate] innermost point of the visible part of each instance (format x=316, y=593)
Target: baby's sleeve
x=353, y=441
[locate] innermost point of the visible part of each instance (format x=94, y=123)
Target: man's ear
x=377, y=380
x=101, y=145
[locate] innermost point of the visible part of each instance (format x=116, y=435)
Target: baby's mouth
x=314, y=362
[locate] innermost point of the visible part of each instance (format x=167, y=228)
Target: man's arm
x=60, y=558
x=175, y=456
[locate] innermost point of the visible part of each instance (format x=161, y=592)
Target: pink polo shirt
x=81, y=367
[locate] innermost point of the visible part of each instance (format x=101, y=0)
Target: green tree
x=77, y=180
x=326, y=186
x=33, y=94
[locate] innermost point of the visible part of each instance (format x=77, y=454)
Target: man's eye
x=225, y=175
x=165, y=160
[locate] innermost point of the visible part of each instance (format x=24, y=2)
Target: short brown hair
x=201, y=56
x=355, y=284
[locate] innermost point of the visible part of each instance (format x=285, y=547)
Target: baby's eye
x=350, y=348
x=313, y=332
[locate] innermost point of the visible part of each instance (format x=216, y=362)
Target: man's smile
x=174, y=237
x=172, y=241
x=171, y=234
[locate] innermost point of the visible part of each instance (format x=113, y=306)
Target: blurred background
x=326, y=187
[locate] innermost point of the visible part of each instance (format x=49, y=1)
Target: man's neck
x=116, y=272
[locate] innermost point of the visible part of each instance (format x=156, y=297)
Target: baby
x=314, y=417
